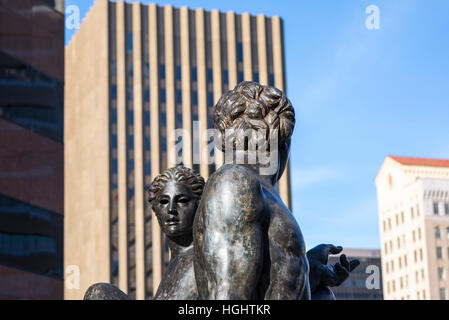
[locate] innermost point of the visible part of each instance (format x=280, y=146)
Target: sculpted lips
x=171, y=222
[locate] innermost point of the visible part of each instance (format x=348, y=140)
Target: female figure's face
x=175, y=207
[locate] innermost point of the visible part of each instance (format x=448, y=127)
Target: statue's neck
x=267, y=179
x=179, y=244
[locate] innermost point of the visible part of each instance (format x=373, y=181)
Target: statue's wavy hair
x=251, y=105
x=180, y=174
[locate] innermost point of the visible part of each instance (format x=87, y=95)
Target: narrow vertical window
x=439, y=253
x=435, y=208
x=441, y=275
x=442, y=294
x=113, y=145
x=437, y=233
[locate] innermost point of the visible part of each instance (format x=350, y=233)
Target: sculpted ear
x=219, y=140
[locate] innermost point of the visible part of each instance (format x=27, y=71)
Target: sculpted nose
x=172, y=208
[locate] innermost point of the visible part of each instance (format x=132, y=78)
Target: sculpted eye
x=183, y=200
x=163, y=201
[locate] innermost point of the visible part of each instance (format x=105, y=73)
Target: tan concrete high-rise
x=134, y=74
x=413, y=201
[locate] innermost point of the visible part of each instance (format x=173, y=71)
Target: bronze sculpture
x=105, y=291
x=322, y=275
x=174, y=197
x=245, y=243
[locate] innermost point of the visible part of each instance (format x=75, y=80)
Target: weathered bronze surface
x=174, y=197
x=322, y=275
x=105, y=291
x=237, y=239
x=247, y=243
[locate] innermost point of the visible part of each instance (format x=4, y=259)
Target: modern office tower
x=413, y=201
x=365, y=282
x=31, y=150
x=134, y=74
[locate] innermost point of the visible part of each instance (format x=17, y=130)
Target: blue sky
x=359, y=95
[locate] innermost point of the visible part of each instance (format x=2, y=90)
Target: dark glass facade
x=162, y=118
x=113, y=142
x=130, y=151
x=209, y=81
x=177, y=76
x=254, y=55
x=147, y=154
x=224, y=52
x=269, y=39
x=31, y=150
x=30, y=99
x=30, y=238
x=194, y=86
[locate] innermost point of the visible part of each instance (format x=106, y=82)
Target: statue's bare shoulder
x=234, y=187
x=282, y=219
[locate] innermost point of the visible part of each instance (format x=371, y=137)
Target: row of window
x=389, y=266
x=130, y=152
x=438, y=233
x=30, y=238
x=421, y=295
x=440, y=252
x=415, y=255
x=403, y=283
x=437, y=211
x=113, y=148
x=401, y=241
x=225, y=78
x=418, y=256
x=26, y=245
x=30, y=98
x=399, y=219
x=403, y=261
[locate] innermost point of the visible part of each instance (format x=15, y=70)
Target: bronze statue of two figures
x=233, y=237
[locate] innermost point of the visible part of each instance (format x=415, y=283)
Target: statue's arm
x=289, y=274
x=228, y=236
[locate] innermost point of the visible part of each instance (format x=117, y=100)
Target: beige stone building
x=134, y=74
x=413, y=202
